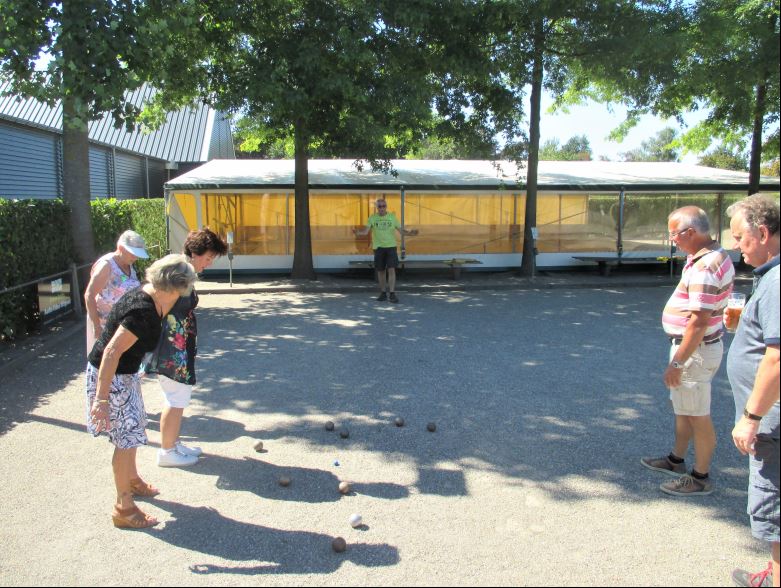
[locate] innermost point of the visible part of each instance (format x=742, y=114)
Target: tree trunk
x=529, y=261
x=75, y=174
x=75, y=136
x=756, y=139
x=303, y=267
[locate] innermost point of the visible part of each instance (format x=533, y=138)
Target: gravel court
x=544, y=402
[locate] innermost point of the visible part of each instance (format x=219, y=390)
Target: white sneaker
x=174, y=459
x=185, y=450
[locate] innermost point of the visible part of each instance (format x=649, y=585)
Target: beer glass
x=735, y=304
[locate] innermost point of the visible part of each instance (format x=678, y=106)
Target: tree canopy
x=347, y=78
x=94, y=51
x=718, y=55
x=576, y=148
x=380, y=79
x=561, y=47
x=722, y=157
x=254, y=140
x=661, y=147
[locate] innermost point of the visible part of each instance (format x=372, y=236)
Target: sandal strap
x=127, y=512
x=141, y=488
x=131, y=517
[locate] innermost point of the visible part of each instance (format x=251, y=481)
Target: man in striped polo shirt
x=692, y=319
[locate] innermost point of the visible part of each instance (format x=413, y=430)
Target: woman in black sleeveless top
x=114, y=402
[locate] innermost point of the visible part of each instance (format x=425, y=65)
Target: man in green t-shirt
x=383, y=226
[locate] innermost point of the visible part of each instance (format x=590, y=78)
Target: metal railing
x=74, y=286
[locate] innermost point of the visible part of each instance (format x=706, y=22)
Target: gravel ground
x=544, y=402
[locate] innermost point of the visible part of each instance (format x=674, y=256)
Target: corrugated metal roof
x=181, y=138
x=221, y=146
x=468, y=175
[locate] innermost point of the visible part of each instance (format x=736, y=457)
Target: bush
x=147, y=217
x=111, y=218
x=35, y=241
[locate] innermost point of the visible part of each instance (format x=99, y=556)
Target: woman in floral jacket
x=174, y=359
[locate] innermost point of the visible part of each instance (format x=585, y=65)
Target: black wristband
x=751, y=416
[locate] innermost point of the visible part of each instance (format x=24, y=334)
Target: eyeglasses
x=675, y=234
x=382, y=206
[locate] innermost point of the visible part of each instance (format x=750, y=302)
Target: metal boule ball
x=339, y=544
x=329, y=426
x=399, y=422
x=284, y=481
x=259, y=446
x=344, y=433
x=431, y=427
x=345, y=487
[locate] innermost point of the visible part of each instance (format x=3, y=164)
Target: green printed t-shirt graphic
x=383, y=229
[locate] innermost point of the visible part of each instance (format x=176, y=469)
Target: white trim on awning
x=460, y=174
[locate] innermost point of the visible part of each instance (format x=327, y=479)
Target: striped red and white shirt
x=705, y=284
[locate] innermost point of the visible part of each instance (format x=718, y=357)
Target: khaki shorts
x=692, y=397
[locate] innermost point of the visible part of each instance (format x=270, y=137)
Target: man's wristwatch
x=751, y=416
x=677, y=365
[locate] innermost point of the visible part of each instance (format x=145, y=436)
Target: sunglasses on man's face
x=381, y=206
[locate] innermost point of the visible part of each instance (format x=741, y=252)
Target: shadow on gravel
x=306, y=484
x=257, y=549
x=559, y=389
x=23, y=390
x=204, y=427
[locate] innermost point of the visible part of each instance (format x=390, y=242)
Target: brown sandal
x=140, y=488
x=132, y=518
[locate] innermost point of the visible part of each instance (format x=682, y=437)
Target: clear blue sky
x=596, y=121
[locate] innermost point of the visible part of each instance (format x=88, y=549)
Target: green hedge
x=35, y=241
x=147, y=217
x=110, y=218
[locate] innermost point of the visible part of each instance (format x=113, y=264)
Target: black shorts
x=385, y=258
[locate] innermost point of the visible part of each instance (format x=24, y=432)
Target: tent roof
x=342, y=174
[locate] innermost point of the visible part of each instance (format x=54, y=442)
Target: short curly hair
x=202, y=241
x=757, y=210
x=172, y=273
